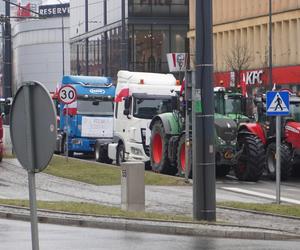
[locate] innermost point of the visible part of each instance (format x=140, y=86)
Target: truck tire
x=159, y=149
x=120, y=157
x=101, y=154
x=70, y=153
x=222, y=170
x=285, y=159
x=251, y=162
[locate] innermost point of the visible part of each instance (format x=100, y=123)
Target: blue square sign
x=278, y=103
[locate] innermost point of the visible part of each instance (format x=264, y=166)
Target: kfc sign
x=177, y=61
x=253, y=77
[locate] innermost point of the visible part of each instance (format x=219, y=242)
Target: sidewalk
x=170, y=200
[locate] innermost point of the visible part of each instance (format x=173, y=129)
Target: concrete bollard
x=133, y=186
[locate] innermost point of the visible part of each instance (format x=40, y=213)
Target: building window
x=149, y=45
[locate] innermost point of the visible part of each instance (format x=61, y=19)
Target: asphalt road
x=169, y=200
x=15, y=235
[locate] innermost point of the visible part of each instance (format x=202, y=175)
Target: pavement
x=230, y=223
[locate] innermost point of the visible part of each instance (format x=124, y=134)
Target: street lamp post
x=62, y=40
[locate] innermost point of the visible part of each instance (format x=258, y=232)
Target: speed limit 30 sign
x=67, y=94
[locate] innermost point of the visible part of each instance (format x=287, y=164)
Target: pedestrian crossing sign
x=278, y=103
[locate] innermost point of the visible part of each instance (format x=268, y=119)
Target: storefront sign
x=55, y=10
x=253, y=77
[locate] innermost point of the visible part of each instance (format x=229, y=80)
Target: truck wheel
x=285, y=159
x=250, y=164
x=159, y=148
x=222, y=170
x=70, y=153
x=101, y=154
x=120, y=157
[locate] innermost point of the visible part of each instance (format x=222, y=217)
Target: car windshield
x=233, y=105
x=89, y=107
x=148, y=108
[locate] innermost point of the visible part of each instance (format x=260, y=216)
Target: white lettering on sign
x=97, y=91
x=55, y=10
x=253, y=77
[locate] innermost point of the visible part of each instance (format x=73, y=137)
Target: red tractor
x=257, y=141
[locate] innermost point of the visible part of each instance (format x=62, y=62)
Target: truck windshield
x=90, y=107
x=148, y=108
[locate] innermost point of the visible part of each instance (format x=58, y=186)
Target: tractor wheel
x=222, y=170
x=101, y=154
x=181, y=157
x=120, y=157
x=251, y=162
x=159, y=149
x=285, y=159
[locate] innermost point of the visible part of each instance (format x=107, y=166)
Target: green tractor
x=167, y=142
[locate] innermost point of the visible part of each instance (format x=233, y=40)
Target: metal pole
x=86, y=40
x=270, y=46
x=67, y=132
x=278, y=156
x=204, y=182
x=7, y=53
x=124, y=58
x=33, y=211
x=63, y=43
x=32, y=160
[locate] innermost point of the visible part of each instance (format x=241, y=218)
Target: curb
x=161, y=227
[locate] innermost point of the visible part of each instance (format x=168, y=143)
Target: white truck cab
x=139, y=97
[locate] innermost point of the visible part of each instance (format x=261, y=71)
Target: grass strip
x=95, y=209
x=102, y=174
x=282, y=209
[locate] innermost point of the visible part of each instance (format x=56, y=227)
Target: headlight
x=136, y=151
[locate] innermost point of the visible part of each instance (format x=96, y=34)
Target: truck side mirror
x=127, y=102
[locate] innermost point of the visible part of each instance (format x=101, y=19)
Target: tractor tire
x=222, y=170
x=159, y=149
x=251, y=163
x=101, y=154
x=120, y=157
x=285, y=161
x=181, y=157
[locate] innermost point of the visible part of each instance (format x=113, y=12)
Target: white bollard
x=133, y=186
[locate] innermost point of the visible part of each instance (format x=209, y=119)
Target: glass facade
x=146, y=44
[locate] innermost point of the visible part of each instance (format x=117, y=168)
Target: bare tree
x=238, y=59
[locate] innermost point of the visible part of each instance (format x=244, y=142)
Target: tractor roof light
x=142, y=81
x=178, y=82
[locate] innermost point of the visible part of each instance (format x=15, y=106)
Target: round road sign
x=67, y=94
x=33, y=126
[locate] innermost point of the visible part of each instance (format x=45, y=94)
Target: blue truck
x=89, y=120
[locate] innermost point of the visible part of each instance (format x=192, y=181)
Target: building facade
x=39, y=50
x=244, y=26
x=110, y=35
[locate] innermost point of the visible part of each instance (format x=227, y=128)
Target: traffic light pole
x=204, y=182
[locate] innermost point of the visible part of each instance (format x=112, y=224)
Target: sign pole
x=278, y=156
x=32, y=161
x=33, y=211
x=67, y=132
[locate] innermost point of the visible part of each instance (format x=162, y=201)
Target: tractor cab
x=230, y=104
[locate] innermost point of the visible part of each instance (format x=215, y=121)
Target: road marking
x=262, y=195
